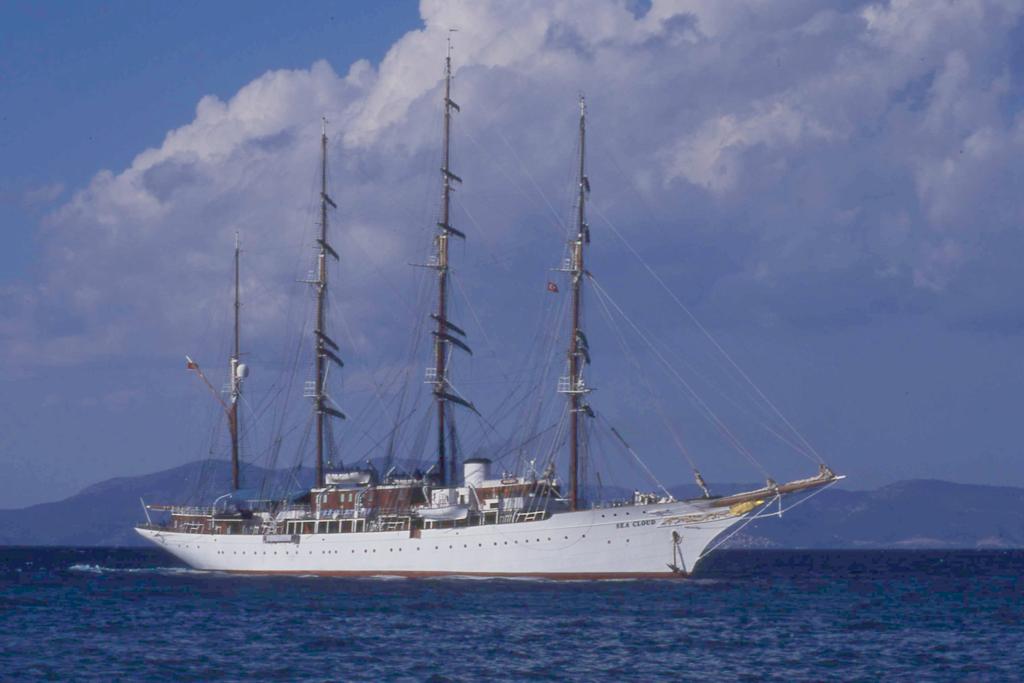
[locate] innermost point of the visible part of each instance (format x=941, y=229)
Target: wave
x=98, y=569
x=386, y=577
x=166, y=571
x=527, y=579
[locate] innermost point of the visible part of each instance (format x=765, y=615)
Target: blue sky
x=834, y=192
x=87, y=85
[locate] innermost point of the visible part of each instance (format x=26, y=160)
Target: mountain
x=103, y=514
x=907, y=514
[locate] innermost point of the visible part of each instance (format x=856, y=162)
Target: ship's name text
x=637, y=522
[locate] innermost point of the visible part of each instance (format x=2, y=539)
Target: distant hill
x=907, y=514
x=103, y=514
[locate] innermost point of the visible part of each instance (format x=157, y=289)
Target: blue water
x=69, y=614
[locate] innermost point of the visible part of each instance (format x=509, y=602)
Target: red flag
x=190, y=364
x=552, y=287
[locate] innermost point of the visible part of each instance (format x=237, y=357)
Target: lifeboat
x=443, y=513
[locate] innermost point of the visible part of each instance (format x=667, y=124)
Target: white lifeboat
x=443, y=513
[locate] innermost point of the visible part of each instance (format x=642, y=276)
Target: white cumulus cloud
x=871, y=144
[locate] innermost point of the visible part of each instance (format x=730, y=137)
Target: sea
x=751, y=615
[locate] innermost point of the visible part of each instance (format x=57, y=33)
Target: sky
x=832, y=191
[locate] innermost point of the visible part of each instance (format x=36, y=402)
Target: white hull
x=658, y=540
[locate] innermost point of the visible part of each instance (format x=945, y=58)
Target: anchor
x=677, y=553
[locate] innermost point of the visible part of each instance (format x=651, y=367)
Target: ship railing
x=191, y=510
x=293, y=512
x=535, y=516
x=392, y=523
x=333, y=514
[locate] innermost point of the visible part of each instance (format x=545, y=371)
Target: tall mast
x=577, y=340
x=236, y=381
x=324, y=344
x=443, y=337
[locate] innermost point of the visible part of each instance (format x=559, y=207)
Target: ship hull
x=644, y=541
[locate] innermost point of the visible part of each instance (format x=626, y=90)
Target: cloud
x=43, y=194
x=711, y=157
x=874, y=149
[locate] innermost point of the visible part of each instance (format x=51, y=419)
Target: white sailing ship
x=448, y=522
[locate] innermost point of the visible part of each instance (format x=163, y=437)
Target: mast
x=323, y=343
x=443, y=334
x=577, y=340
x=236, y=381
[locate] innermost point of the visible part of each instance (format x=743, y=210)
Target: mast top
x=583, y=105
x=323, y=126
x=449, y=56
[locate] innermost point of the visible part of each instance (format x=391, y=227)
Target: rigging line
x=472, y=309
x=297, y=465
x=490, y=345
x=634, y=454
x=762, y=514
x=700, y=402
x=707, y=334
x=352, y=345
x=757, y=418
x=508, y=440
x=559, y=434
x=511, y=449
x=549, y=312
x=757, y=414
x=288, y=373
x=650, y=389
x=378, y=442
x=558, y=218
x=811, y=495
x=708, y=413
x=551, y=318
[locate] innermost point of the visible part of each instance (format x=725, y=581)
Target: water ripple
x=130, y=615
